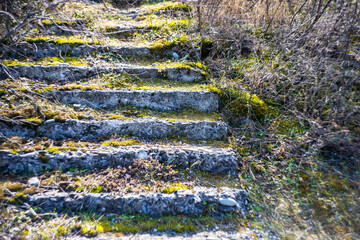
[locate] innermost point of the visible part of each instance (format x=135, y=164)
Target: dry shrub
x=305, y=54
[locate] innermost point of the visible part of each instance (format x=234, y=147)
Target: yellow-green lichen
x=172, y=7
x=164, y=45
x=60, y=41
x=117, y=143
x=174, y=187
x=33, y=121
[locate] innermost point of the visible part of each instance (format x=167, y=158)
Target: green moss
x=62, y=231
x=172, y=7
x=88, y=232
x=53, y=150
x=2, y=92
x=97, y=189
x=168, y=25
x=51, y=61
x=13, y=63
x=175, y=187
x=48, y=23
x=164, y=45
x=18, y=198
x=59, y=41
x=241, y=103
x=34, y=121
x=128, y=142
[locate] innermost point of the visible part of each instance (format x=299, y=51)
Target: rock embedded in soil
x=204, y=158
x=185, y=202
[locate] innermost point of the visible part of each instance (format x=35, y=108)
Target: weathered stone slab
x=185, y=202
x=145, y=128
x=67, y=73
x=157, y=99
x=209, y=159
x=50, y=49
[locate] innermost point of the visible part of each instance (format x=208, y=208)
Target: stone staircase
x=180, y=142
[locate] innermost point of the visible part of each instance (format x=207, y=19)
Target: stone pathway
x=193, y=202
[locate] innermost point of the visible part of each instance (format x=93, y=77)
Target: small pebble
x=34, y=181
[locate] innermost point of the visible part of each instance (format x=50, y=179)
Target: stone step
x=196, y=201
x=67, y=73
x=143, y=128
x=54, y=49
x=204, y=158
x=172, y=100
x=244, y=234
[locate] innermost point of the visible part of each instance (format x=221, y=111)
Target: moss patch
x=172, y=7
x=60, y=41
x=115, y=143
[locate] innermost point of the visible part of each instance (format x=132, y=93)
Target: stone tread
x=68, y=73
x=204, y=158
x=143, y=128
x=163, y=100
x=183, y=202
x=246, y=234
x=49, y=49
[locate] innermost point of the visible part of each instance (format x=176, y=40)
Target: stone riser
x=208, y=159
x=41, y=50
x=184, y=202
x=144, y=128
x=157, y=100
x=68, y=73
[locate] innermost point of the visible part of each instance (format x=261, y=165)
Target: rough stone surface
x=34, y=181
x=209, y=159
x=40, y=50
x=185, y=202
x=245, y=234
x=158, y=100
x=66, y=73
x=229, y=202
x=17, y=130
x=145, y=128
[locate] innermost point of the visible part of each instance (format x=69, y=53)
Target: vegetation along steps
x=68, y=147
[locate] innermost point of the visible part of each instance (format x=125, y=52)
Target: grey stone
x=145, y=128
x=34, y=181
x=184, y=202
x=158, y=100
x=228, y=202
x=204, y=158
x=76, y=73
x=175, y=55
x=41, y=50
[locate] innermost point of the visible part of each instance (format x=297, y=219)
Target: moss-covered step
x=197, y=201
x=172, y=100
x=204, y=158
x=63, y=72
x=52, y=47
x=142, y=127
